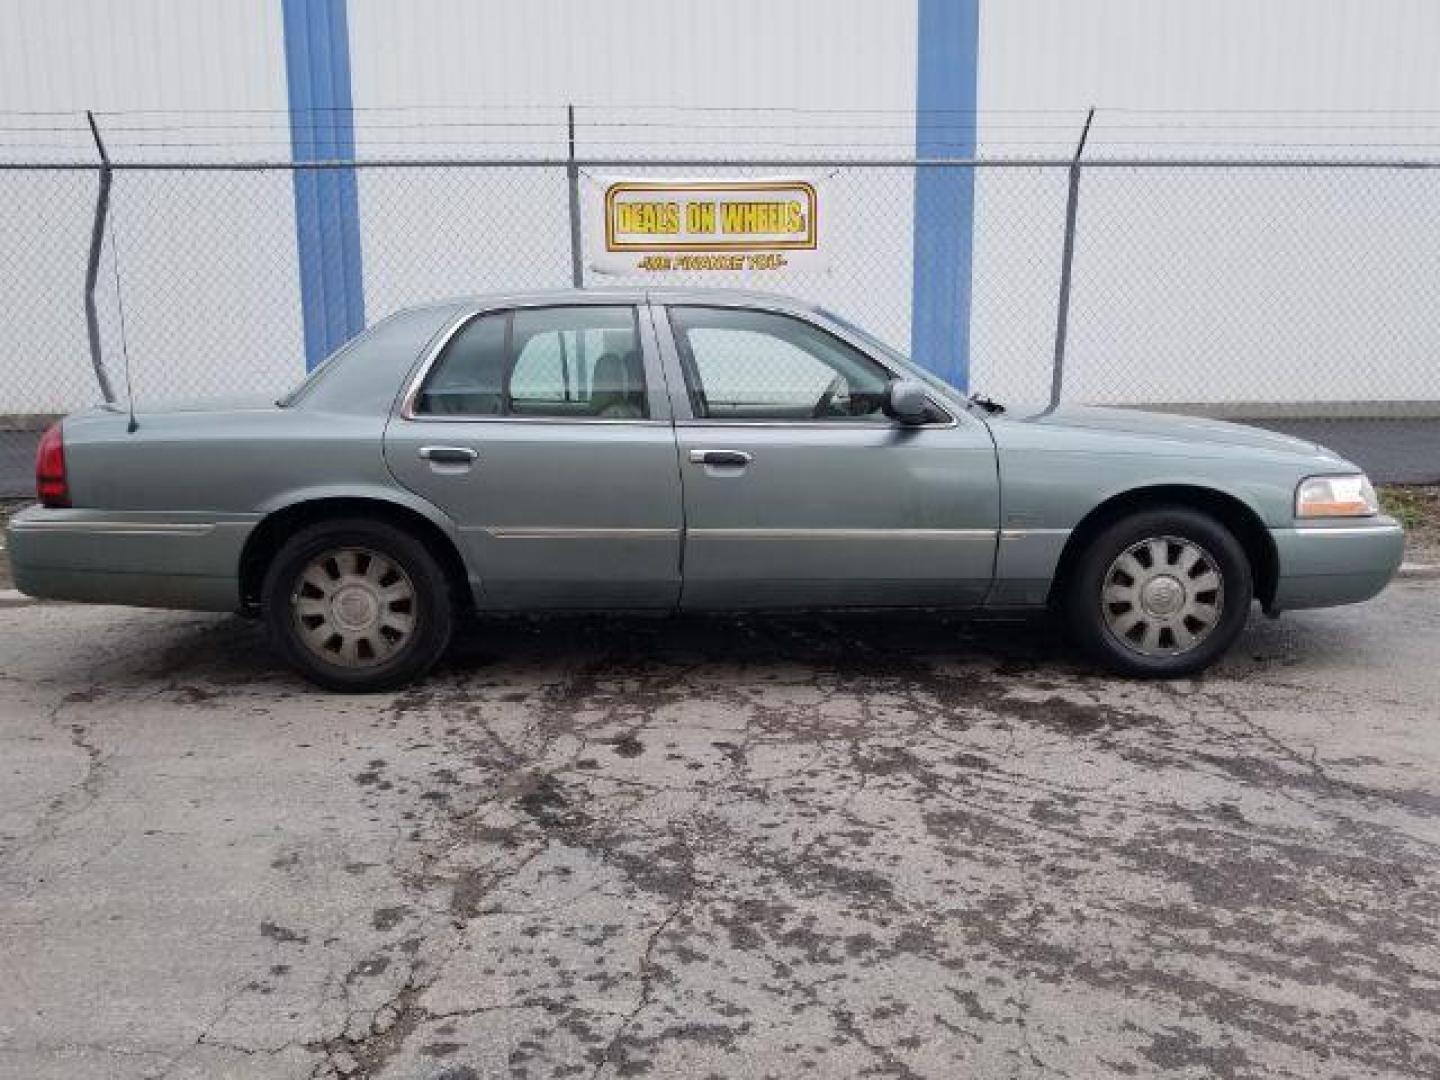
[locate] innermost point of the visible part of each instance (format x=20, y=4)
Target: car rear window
x=364, y=375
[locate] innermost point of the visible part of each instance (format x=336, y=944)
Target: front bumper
x=1328, y=564
x=185, y=561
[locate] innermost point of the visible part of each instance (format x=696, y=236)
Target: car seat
x=617, y=387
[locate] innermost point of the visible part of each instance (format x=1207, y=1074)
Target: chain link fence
x=1279, y=289
x=1258, y=291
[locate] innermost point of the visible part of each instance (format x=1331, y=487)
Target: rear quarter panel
x=243, y=463
x=162, y=514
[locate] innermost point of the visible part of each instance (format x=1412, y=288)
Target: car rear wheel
x=1159, y=593
x=357, y=605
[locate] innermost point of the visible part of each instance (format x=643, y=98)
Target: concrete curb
x=15, y=598
x=1414, y=571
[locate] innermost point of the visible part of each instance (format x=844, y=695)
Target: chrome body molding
x=807, y=425
x=113, y=528
x=555, y=532
x=546, y=532
x=1379, y=528
x=428, y=358
x=465, y=418
x=841, y=534
x=1026, y=534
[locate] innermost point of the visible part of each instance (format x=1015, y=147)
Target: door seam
x=675, y=448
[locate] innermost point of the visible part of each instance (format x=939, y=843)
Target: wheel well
x=1242, y=521
x=273, y=531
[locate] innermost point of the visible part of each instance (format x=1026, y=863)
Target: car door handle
x=733, y=458
x=448, y=455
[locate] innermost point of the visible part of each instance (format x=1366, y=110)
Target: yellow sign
x=655, y=226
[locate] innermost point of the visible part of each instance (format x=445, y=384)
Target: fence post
x=1067, y=261
x=572, y=173
x=92, y=266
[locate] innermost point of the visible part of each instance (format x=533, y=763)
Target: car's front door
x=799, y=491
x=545, y=433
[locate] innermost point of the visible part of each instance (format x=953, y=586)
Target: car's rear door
x=544, y=431
x=798, y=490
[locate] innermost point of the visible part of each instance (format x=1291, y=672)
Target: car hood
x=1193, y=430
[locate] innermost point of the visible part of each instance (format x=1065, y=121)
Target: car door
x=544, y=432
x=799, y=491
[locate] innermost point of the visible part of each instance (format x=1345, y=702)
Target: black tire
x=394, y=657
x=1092, y=620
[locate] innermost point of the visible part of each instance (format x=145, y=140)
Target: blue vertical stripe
x=945, y=125
x=327, y=209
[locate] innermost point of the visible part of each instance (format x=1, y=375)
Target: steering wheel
x=822, y=407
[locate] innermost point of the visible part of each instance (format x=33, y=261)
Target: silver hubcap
x=353, y=607
x=1162, y=596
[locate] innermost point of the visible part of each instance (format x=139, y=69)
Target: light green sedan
x=681, y=450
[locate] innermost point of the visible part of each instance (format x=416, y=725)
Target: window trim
x=684, y=365
x=416, y=384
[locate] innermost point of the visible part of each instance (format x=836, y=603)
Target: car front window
x=743, y=364
x=891, y=353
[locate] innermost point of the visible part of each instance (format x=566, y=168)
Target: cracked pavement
x=841, y=847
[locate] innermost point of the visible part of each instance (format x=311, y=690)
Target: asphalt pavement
x=904, y=847
x=1390, y=451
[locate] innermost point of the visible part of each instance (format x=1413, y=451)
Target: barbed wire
x=738, y=109
x=649, y=131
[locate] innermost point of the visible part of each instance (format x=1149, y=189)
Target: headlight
x=1335, y=496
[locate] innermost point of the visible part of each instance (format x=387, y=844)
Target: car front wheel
x=357, y=605
x=1160, y=593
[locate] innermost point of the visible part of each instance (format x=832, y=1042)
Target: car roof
x=633, y=294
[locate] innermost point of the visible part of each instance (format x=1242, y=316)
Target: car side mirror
x=908, y=402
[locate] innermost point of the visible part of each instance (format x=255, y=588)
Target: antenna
x=106, y=171
x=124, y=345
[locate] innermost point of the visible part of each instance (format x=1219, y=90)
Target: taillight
x=50, y=484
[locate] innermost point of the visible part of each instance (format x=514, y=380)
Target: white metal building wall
x=633, y=67
x=833, y=54
x=136, y=58
x=1130, y=299
x=1230, y=285
x=1209, y=54
x=141, y=54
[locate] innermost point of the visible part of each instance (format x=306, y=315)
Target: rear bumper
x=145, y=559
x=1327, y=565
